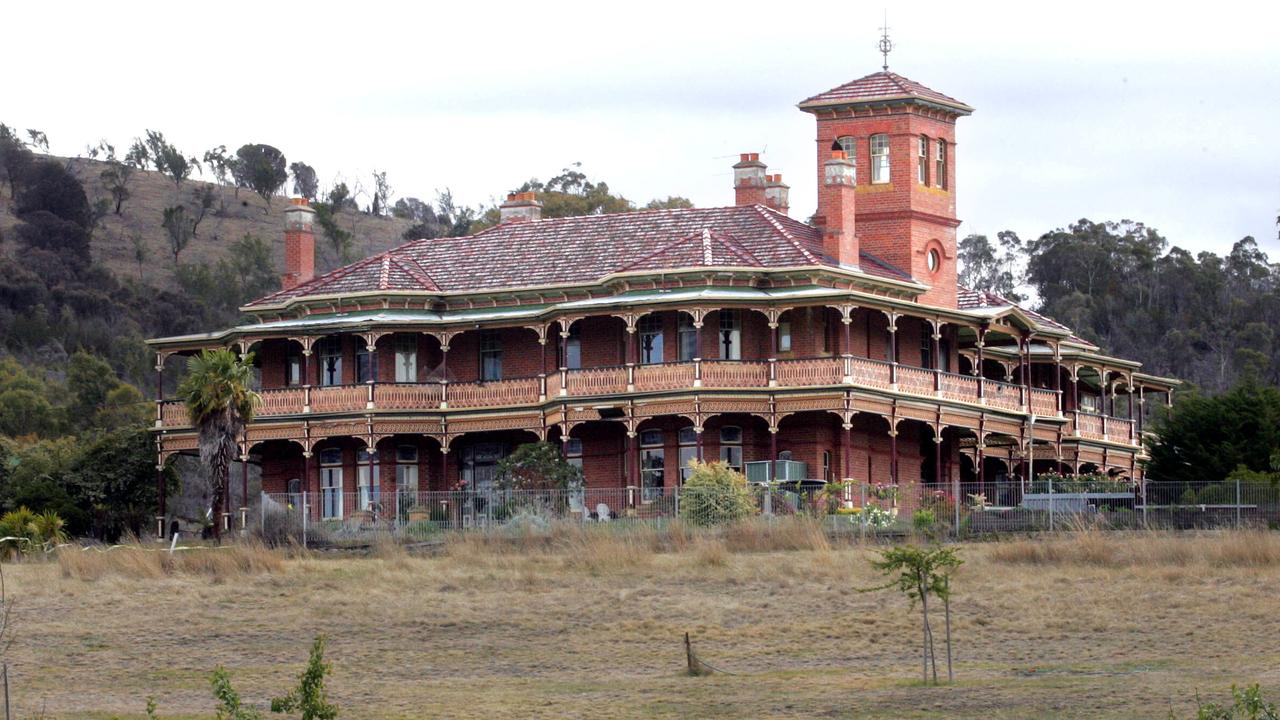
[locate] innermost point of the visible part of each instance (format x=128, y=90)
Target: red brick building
x=641, y=340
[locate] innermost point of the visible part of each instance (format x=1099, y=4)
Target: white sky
x=1101, y=110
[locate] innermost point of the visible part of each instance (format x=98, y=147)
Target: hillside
x=235, y=215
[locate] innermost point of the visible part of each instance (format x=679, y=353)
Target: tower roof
x=883, y=87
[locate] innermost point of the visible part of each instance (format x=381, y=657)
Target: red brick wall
x=885, y=224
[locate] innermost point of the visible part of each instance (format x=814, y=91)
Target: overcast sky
x=1101, y=110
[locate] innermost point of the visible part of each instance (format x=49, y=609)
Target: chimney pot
x=520, y=207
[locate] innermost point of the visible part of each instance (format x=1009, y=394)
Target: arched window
x=934, y=260
x=849, y=144
x=879, y=158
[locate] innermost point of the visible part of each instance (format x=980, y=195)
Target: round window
x=935, y=261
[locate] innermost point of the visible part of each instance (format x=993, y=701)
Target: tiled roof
x=585, y=249
x=967, y=299
x=881, y=87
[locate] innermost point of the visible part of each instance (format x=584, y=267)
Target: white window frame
x=731, y=447
x=331, y=484
x=368, y=479
x=687, y=439
x=330, y=356
x=490, y=356
x=730, y=336
x=940, y=174
x=879, y=146
x=406, y=349
x=686, y=338
x=922, y=167
x=649, y=330
x=784, y=336
x=653, y=465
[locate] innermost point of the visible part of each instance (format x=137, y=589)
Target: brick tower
x=901, y=138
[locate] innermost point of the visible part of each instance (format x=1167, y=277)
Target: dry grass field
x=589, y=624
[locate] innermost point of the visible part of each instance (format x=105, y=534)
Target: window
x=940, y=174
x=366, y=364
x=784, y=336
x=490, y=355
x=922, y=167
x=331, y=483
x=926, y=351
x=367, y=479
x=934, y=260
x=407, y=469
x=573, y=348
x=293, y=367
x=730, y=335
x=731, y=446
x=944, y=355
x=651, y=339
x=573, y=452
x=406, y=359
x=688, y=440
x=688, y=338
x=652, y=465
x=849, y=144
x=826, y=465
x=331, y=361
x=879, y=158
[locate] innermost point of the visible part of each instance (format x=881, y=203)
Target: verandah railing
x=710, y=374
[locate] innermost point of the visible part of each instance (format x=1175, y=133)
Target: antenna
x=886, y=45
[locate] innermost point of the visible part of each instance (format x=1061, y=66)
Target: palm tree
x=220, y=401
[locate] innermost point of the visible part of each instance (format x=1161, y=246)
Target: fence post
x=1050, y=505
x=1145, y=524
x=1238, y=501
x=675, y=494
x=6, y=692
x=304, y=508
x=767, y=505
x=862, y=491
x=262, y=513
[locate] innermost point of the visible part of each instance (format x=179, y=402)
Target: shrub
x=924, y=521
x=714, y=494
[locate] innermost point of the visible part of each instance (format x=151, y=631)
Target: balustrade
x=722, y=374
x=339, y=398
x=1088, y=425
x=915, y=380
x=1002, y=395
x=407, y=396
x=873, y=373
x=669, y=376
x=959, y=387
x=1044, y=402
x=597, y=381
x=814, y=371
x=517, y=391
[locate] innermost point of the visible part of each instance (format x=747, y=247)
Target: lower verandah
x=650, y=463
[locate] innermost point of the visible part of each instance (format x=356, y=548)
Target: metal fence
x=859, y=509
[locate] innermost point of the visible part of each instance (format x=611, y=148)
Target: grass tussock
x=777, y=534
x=137, y=562
x=1247, y=548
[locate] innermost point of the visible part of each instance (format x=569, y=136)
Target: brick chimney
x=748, y=180
x=836, y=203
x=520, y=207
x=777, y=193
x=299, y=244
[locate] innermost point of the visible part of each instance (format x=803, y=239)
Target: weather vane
x=886, y=45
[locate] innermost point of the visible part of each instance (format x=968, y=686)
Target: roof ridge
x=733, y=245
x=785, y=233
x=417, y=271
